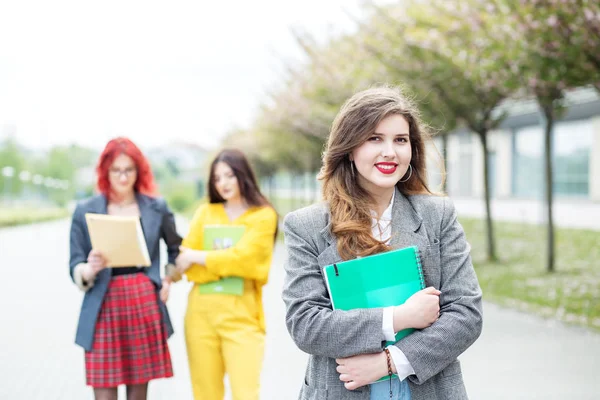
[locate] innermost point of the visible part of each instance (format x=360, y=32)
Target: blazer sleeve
x=430, y=350
x=78, y=239
x=169, y=234
x=249, y=258
x=313, y=325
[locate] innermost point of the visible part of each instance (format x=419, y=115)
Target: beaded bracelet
x=389, y=365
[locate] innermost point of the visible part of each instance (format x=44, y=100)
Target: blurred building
x=186, y=156
x=186, y=161
x=516, y=155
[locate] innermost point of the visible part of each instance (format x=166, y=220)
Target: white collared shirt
x=382, y=230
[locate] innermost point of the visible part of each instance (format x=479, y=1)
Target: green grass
x=519, y=279
x=12, y=216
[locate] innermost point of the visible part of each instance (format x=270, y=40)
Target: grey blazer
x=157, y=222
x=428, y=222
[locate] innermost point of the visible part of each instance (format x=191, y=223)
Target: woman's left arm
x=168, y=232
x=431, y=350
x=247, y=258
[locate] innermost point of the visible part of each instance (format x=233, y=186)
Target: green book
x=381, y=280
x=217, y=237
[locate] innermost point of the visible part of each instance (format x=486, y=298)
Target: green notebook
x=218, y=237
x=381, y=280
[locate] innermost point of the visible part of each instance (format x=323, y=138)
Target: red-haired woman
x=123, y=324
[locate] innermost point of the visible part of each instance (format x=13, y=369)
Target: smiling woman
x=377, y=199
x=385, y=157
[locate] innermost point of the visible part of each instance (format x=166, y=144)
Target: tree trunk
x=491, y=248
x=270, y=187
x=445, y=160
x=548, y=124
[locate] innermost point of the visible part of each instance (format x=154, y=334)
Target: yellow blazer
x=250, y=258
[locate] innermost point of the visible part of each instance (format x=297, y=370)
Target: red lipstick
x=386, y=168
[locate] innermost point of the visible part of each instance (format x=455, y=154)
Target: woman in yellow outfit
x=225, y=332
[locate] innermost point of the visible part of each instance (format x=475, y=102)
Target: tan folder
x=120, y=239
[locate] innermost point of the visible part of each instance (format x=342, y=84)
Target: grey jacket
x=428, y=222
x=157, y=222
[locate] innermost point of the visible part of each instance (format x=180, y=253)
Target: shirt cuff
x=388, y=324
x=403, y=367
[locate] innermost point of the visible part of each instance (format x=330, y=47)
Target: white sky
x=83, y=72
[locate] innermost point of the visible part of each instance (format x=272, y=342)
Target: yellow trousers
x=223, y=335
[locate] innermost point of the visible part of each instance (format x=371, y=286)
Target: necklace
x=382, y=228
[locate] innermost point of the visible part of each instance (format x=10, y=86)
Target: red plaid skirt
x=130, y=341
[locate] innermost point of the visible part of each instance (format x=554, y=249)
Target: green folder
x=380, y=280
x=218, y=237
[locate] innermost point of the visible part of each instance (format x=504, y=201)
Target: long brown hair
x=349, y=203
x=249, y=189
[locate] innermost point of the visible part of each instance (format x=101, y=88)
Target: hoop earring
x=409, y=174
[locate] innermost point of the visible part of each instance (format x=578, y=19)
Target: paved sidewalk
x=517, y=357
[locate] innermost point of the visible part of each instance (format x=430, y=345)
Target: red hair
x=145, y=180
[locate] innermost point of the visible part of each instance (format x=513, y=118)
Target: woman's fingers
x=352, y=385
x=432, y=290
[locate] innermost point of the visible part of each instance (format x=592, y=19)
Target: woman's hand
x=187, y=257
x=363, y=369
x=420, y=311
x=96, y=262
x=165, y=290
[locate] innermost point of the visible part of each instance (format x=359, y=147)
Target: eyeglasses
x=116, y=173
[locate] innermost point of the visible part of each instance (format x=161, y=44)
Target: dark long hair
x=249, y=189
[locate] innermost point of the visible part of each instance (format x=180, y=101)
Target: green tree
x=181, y=196
x=60, y=167
x=443, y=49
x=11, y=156
x=548, y=65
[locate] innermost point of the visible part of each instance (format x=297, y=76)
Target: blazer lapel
x=330, y=255
x=151, y=220
x=406, y=225
x=99, y=205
